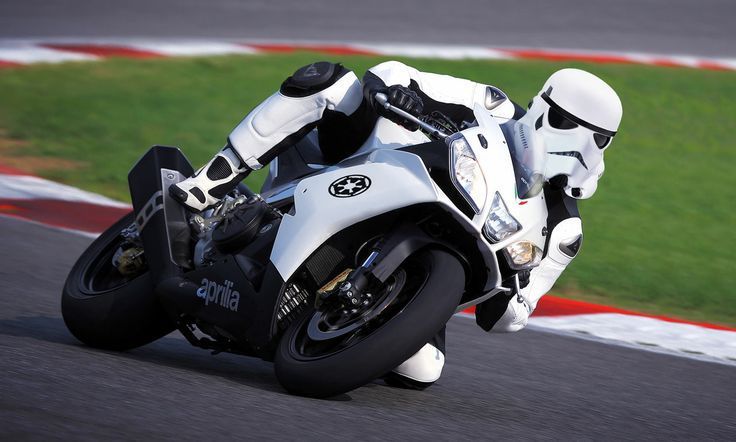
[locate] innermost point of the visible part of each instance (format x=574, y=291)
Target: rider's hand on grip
x=405, y=99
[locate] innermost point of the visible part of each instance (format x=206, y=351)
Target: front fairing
x=498, y=169
x=501, y=172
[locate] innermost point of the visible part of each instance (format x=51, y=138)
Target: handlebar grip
x=382, y=99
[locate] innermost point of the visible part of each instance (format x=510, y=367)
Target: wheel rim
x=331, y=325
x=100, y=276
x=319, y=336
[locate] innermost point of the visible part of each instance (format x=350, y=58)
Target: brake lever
x=382, y=99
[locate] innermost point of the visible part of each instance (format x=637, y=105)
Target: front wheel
x=421, y=297
x=106, y=309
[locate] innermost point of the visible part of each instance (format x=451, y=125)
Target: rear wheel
x=107, y=309
x=327, y=353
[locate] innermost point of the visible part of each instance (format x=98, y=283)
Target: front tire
x=106, y=310
x=309, y=370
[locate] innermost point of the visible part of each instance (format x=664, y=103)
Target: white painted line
x=685, y=338
x=728, y=63
x=192, y=48
x=26, y=54
x=90, y=235
x=426, y=51
x=538, y=323
x=633, y=346
x=691, y=62
x=30, y=187
x=26, y=51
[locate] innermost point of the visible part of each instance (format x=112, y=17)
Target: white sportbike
x=336, y=273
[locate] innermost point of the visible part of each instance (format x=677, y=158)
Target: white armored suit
x=574, y=117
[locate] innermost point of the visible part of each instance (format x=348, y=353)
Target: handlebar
x=382, y=99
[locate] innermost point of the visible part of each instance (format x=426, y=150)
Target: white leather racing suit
x=330, y=97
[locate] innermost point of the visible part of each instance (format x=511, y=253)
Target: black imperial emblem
x=350, y=185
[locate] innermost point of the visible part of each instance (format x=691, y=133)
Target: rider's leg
x=277, y=123
x=423, y=369
x=212, y=181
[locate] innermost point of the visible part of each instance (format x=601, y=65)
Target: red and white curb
x=15, y=52
x=42, y=201
x=661, y=334
x=39, y=200
x=654, y=333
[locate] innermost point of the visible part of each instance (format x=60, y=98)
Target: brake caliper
x=346, y=290
x=129, y=258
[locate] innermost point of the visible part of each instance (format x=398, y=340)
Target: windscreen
x=528, y=158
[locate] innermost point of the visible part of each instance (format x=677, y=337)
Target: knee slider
x=312, y=78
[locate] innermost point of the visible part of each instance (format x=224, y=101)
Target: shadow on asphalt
x=43, y=328
x=169, y=351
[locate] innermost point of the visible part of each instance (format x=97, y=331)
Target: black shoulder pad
x=312, y=78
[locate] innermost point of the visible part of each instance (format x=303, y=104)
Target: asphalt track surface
x=525, y=385
x=694, y=27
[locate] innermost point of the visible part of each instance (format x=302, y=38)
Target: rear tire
x=105, y=310
x=429, y=307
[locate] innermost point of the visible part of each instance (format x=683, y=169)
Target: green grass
x=658, y=235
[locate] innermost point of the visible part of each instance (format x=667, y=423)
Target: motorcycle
x=336, y=273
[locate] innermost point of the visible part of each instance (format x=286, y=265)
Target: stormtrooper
x=571, y=122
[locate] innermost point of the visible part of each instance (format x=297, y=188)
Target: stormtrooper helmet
x=575, y=116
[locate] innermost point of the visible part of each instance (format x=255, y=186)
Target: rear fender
x=161, y=221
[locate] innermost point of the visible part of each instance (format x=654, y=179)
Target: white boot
x=419, y=371
x=212, y=182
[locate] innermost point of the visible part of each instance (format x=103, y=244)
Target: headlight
x=523, y=255
x=500, y=224
x=466, y=173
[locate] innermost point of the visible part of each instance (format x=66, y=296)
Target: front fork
x=383, y=260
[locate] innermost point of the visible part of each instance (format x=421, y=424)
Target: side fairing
x=338, y=198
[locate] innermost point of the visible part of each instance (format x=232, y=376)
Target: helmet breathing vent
x=573, y=154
